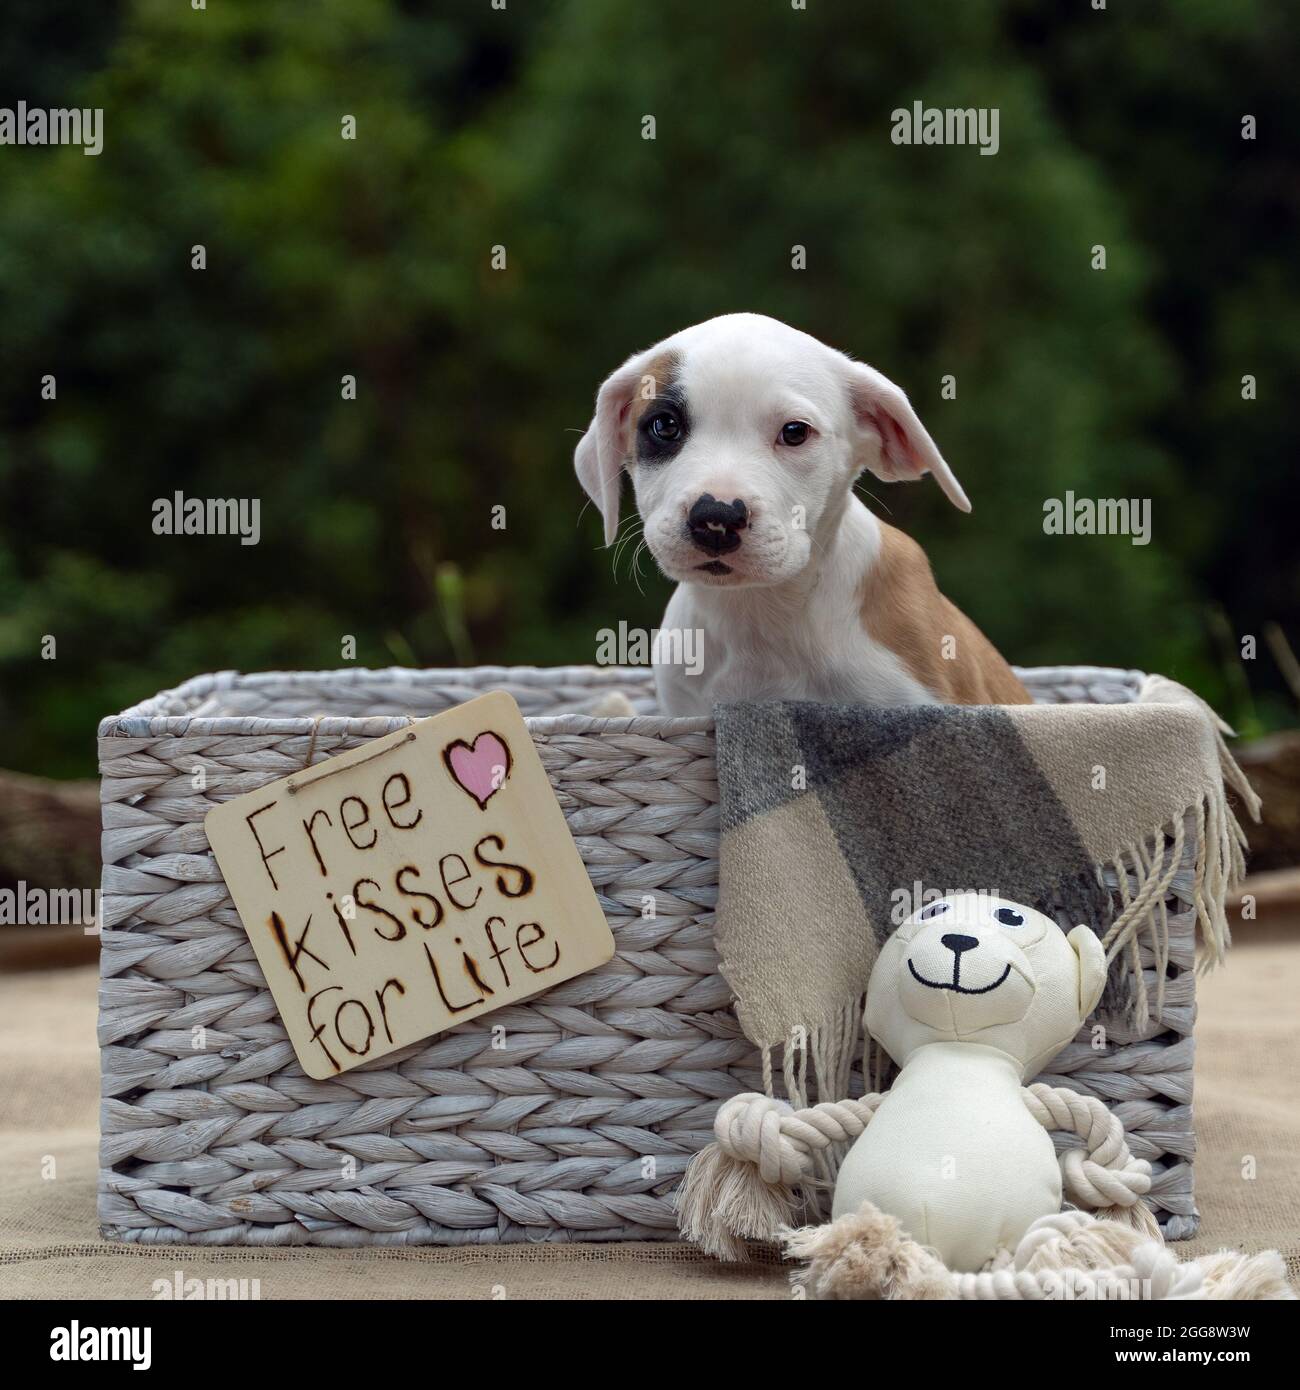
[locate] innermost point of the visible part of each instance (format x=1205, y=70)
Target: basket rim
x=164, y=715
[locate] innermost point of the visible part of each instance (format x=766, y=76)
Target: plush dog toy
x=952, y=1171
x=971, y=996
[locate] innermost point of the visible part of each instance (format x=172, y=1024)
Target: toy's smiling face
x=968, y=962
x=975, y=968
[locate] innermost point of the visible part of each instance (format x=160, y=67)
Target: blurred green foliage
x=522, y=128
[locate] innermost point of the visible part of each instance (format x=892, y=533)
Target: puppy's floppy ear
x=906, y=449
x=1092, y=967
x=598, y=459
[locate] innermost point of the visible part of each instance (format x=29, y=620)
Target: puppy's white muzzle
x=723, y=539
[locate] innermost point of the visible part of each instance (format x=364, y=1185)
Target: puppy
x=743, y=438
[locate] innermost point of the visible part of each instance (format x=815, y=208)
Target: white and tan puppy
x=743, y=438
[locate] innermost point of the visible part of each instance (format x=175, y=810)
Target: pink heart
x=480, y=770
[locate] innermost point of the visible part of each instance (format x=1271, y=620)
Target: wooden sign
x=420, y=881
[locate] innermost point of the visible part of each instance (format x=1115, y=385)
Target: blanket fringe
x=818, y=1061
x=1144, y=876
x=814, y=1062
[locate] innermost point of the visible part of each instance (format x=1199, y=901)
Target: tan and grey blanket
x=838, y=820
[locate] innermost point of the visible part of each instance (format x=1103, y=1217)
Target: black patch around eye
x=934, y=910
x=651, y=444
x=1009, y=917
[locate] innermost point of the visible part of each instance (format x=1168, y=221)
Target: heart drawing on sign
x=481, y=768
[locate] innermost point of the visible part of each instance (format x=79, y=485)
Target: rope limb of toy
x=1068, y=1255
x=742, y=1186
x=947, y=1186
x=1103, y=1175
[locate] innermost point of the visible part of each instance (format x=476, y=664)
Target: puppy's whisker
x=642, y=547
x=625, y=528
x=857, y=487
x=621, y=539
x=631, y=552
x=816, y=544
x=629, y=533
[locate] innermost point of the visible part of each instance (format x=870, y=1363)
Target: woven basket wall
x=582, y=1126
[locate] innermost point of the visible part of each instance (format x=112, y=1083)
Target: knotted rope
x=1072, y=1255
x=1103, y=1174
x=1065, y=1256
x=742, y=1185
x=782, y=1142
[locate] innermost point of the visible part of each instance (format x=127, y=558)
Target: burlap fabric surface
x=1248, y=1119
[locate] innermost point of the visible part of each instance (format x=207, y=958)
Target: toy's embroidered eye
x=934, y=910
x=1009, y=917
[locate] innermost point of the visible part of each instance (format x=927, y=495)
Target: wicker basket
x=582, y=1126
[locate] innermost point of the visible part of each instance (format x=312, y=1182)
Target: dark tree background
x=522, y=128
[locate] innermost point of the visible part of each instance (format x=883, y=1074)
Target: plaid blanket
x=838, y=821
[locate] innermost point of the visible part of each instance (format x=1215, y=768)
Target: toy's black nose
x=716, y=526
x=960, y=943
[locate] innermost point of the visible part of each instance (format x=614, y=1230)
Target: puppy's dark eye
x=1009, y=917
x=665, y=426
x=935, y=910
x=794, y=433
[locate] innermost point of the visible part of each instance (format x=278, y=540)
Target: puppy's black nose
x=960, y=943
x=716, y=526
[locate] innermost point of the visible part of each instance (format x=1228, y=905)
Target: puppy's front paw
x=612, y=705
